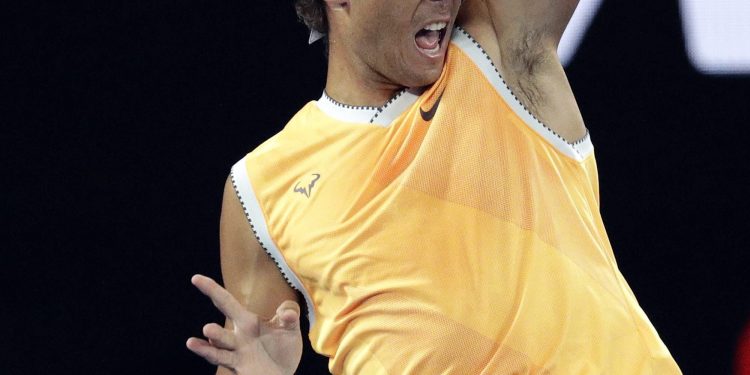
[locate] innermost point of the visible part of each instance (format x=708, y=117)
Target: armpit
x=522, y=59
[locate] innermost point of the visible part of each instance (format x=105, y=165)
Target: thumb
x=287, y=315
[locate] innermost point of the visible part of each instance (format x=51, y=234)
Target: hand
x=254, y=345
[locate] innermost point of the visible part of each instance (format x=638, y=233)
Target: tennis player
x=436, y=210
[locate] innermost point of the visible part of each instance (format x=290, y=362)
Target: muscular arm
x=248, y=273
x=521, y=37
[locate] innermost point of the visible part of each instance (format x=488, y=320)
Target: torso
x=468, y=240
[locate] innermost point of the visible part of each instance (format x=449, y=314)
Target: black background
x=121, y=120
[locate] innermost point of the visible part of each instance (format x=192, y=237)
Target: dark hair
x=313, y=14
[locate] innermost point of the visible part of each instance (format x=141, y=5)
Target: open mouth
x=430, y=38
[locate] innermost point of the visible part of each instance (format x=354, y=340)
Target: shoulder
x=291, y=133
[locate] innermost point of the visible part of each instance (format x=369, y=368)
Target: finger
x=221, y=298
x=220, y=337
x=213, y=355
x=287, y=316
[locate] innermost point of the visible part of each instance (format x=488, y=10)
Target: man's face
x=401, y=42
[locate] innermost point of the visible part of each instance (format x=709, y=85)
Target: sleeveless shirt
x=447, y=232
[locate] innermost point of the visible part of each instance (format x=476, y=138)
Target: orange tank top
x=447, y=232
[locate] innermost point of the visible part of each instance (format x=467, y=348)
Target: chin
x=425, y=75
x=424, y=78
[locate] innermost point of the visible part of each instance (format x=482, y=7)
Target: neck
x=352, y=82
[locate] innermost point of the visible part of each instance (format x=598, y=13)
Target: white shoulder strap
x=259, y=226
x=578, y=150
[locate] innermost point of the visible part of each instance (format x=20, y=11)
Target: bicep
x=248, y=272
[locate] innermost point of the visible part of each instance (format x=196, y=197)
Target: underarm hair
x=522, y=60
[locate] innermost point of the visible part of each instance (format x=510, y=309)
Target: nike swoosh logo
x=428, y=115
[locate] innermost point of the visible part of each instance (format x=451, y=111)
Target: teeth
x=436, y=26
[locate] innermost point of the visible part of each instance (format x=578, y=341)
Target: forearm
x=225, y=371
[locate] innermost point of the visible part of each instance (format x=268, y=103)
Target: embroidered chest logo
x=307, y=190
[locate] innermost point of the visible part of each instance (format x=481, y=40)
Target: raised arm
x=511, y=20
x=261, y=334
x=521, y=38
